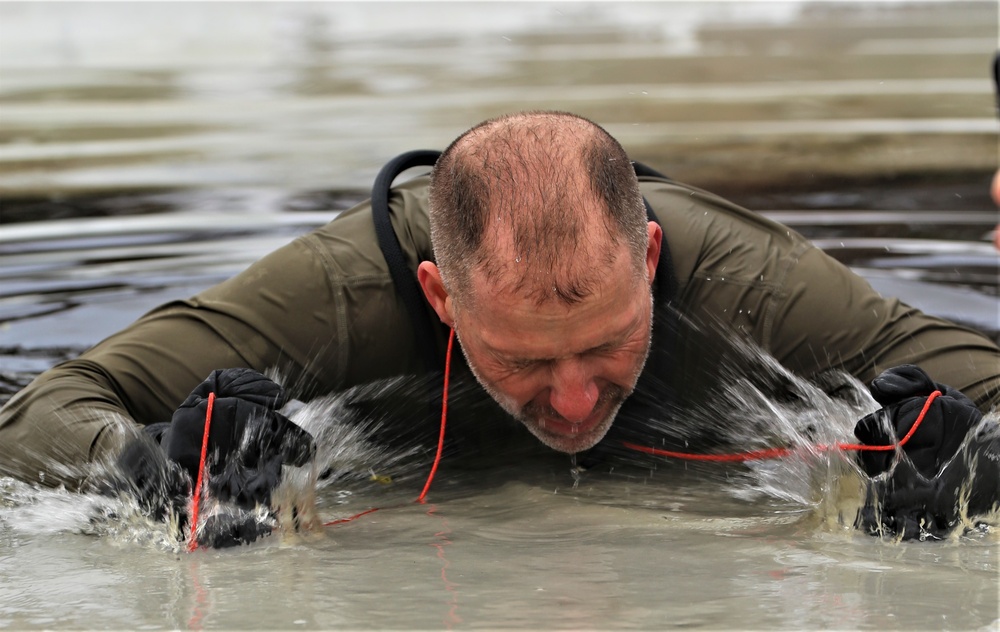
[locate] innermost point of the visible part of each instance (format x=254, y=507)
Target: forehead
x=559, y=269
x=511, y=321
x=547, y=254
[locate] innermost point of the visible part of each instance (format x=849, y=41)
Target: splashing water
x=733, y=397
x=347, y=456
x=33, y=511
x=737, y=398
x=347, y=452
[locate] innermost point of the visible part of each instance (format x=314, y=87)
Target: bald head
x=537, y=203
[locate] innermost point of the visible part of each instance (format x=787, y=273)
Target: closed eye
x=519, y=364
x=523, y=365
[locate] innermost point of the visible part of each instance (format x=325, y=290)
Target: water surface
x=150, y=150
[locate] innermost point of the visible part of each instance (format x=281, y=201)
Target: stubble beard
x=533, y=417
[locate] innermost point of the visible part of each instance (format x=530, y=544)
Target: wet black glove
x=227, y=529
x=159, y=486
x=950, y=453
x=162, y=488
x=248, y=439
x=902, y=391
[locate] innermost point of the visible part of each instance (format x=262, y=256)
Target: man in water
x=531, y=239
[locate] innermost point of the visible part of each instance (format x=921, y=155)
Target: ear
x=653, y=249
x=430, y=281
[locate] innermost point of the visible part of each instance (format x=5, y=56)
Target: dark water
x=150, y=150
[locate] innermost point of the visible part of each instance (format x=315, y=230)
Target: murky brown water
x=149, y=150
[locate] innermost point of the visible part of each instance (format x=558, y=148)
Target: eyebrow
x=614, y=343
x=519, y=360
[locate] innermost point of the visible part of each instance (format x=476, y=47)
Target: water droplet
x=575, y=471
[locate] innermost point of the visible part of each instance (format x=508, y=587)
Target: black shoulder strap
x=642, y=170
x=406, y=283
x=404, y=280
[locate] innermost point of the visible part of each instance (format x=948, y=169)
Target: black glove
x=902, y=391
x=159, y=486
x=950, y=453
x=227, y=529
x=248, y=439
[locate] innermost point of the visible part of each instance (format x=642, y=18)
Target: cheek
x=521, y=387
x=620, y=369
x=623, y=371
x=524, y=387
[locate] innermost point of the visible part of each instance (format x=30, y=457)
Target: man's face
x=561, y=370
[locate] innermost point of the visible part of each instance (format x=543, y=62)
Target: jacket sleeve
x=828, y=316
x=321, y=311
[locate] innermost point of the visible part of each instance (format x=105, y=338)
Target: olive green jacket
x=323, y=310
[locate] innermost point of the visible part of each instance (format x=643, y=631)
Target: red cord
x=440, y=447
x=444, y=417
x=192, y=538
x=355, y=516
x=752, y=455
x=770, y=453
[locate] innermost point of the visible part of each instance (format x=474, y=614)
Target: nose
x=574, y=392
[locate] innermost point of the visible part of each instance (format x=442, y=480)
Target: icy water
x=149, y=151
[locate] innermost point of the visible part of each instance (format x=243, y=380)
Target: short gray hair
x=533, y=161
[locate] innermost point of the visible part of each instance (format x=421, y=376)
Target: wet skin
x=562, y=370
